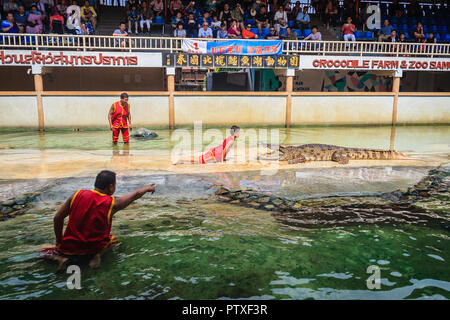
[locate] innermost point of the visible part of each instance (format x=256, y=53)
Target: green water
x=181, y=244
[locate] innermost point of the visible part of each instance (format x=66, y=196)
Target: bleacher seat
x=368, y=35
x=306, y=32
x=358, y=35
x=394, y=26
x=255, y=31
x=264, y=32
x=403, y=28
x=283, y=32
x=297, y=32
x=249, y=21
x=291, y=23
x=447, y=37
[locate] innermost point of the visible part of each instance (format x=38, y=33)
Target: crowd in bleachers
x=49, y=16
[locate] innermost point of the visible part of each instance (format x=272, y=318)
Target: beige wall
x=228, y=110
x=423, y=109
x=18, y=112
x=341, y=110
x=86, y=111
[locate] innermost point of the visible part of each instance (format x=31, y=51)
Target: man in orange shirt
x=119, y=116
x=88, y=232
x=247, y=34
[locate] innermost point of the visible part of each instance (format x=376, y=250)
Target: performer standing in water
x=217, y=154
x=119, y=118
x=88, y=232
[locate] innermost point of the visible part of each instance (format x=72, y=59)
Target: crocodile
x=325, y=152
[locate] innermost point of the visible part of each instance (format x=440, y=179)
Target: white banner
x=194, y=46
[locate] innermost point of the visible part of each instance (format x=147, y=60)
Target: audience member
x=247, y=33
x=234, y=31
x=88, y=14
x=10, y=6
x=280, y=19
x=205, y=31
x=146, y=17
x=9, y=25
x=222, y=33
x=331, y=13
x=191, y=26
x=225, y=14
x=175, y=7
x=21, y=17
x=385, y=31
x=56, y=22
x=120, y=32
x=273, y=35
x=431, y=38
x=290, y=35
x=314, y=35
x=179, y=31
x=133, y=18
x=157, y=7
x=177, y=19
x=303, y=19
x=348, y=29
x=238, y=15
x=34, y=22
x=418, y=33
x=262, y=19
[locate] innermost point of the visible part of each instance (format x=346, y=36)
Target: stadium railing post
x=170, y=72
x=38, y=88
x=290, y=73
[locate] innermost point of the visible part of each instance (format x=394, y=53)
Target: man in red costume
x=217, y=154
x=119, y=118
x=88, y=232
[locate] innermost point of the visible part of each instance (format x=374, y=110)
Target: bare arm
x=123, y=202
x=129, y=120
x=58, y=220
x=110, y=114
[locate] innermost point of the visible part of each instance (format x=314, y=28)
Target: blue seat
x=255, y=31
x=249, y=21
x=283, y=32
x=447, y=37
x=297, y=32
x=438, y=37
x=367, y=35
x=394, y=26
x=358, y=35
x=158, y=20
x=265, y=32
x=434, y=28
x=406, y=35
x=442, y=29
x=291, y=23
x=393, y=20
x=403, y=28
x=307, y=32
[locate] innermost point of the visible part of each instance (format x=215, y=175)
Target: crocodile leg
x=300, y=159
x=339, y=157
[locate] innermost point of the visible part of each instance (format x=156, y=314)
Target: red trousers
x=125, y=134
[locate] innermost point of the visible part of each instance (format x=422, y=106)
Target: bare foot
x=95, y=261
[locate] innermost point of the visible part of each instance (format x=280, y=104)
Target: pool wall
x=151, y=109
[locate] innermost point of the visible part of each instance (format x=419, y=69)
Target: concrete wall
x=79, y=111
x=423, y=109
x=90, y=111
x=323, y=110
x=228, y=110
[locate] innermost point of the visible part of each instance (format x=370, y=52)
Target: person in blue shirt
x=385, y=31
x=303, y=19
x=21, y=17
x=9, y=25
x=133, y=17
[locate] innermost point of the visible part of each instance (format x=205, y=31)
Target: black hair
x=234, y=129
x=104, y=179
x=123, y=95
x=314, y=27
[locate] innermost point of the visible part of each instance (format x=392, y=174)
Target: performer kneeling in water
x=90, y=212
x=217, y=154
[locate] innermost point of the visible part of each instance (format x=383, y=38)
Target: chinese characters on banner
x=229, y=61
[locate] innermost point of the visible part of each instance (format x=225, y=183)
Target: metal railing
x=167, y=44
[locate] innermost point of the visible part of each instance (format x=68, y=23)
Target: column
x=290, y=73
x=395, y=89
x=38, y=87
x=171, y=89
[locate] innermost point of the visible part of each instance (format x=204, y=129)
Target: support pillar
x=290, y=73
x=171, y=89
x=395, y=90
x=39, y=87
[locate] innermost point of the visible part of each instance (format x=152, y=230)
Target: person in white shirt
x=280, y=19
x=314, y=35
x=205, y=31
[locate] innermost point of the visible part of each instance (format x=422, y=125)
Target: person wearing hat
x=119, y=118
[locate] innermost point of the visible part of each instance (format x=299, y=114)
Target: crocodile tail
x=387, y=155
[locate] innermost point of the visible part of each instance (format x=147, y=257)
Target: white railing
x=168, y=44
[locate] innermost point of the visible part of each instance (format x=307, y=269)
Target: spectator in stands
x=431, y=38
x=402, y=37
x=348, y=29
x=396, y=9
x=215, y=24
x=88, y=14
x=273, y=35
x=10, y=6
x=120, y=32
x=9, y=25
x=385, y=31
x=392, y=37
x=211, y=5
x=62, y=8
x=133, y=18
x=303, y=19
x=290, y=35
x=252, y=12
x=205, y=18
x=314, y=35
x=238, y=15
x=222, y=33
x=34, y=22
x=146, y=17
x=189, y=8
x=56, y=22
x=157, y=7
x=262, y=19
x=418, y=33
x=176, y=20
x=191, y=26
x=331, y=13
x=247, y=33
x=205, y=31
x=175, y=6
x=179, y=31
x=234, y=31
x=295, y=11
x=21, y=17
x=280, y=19
x=225, y=14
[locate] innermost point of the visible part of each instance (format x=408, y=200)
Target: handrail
x=168, y=44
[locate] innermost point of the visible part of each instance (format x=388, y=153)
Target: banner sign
x=229, y=61
x=236, y=47
x=375, y=63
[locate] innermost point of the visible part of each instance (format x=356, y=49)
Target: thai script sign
x=236, y=47
x=229, y=61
